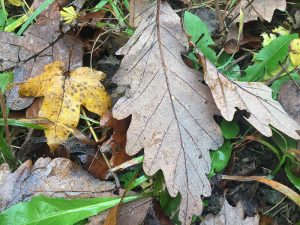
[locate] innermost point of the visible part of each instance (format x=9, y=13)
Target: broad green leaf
x=282, y=80
x=42, y=210
x=230, y=129
x=220, y=158
x=267, y=59
x=292, y=177
x=232, y=72
x=5, y=79
x=196, y=28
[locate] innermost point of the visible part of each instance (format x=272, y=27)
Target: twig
x=220, y=17
x=102, y=153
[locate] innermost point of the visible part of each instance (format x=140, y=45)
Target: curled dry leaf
x=254, y=97
x=59, y=177
x=63, y=95
x=172, y=112
x=230, y=215
x=263, y=9
x=117, y=142
x=41, y=44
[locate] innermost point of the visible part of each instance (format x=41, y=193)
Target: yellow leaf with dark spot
x=295, y=52
x=63, y=96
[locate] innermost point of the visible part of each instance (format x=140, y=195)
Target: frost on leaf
x=254, y=97
x=63, y=95
x=172, y=112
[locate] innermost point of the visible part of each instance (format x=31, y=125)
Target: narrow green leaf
x=220, y=158
x=5, y=79
x=32, y=17
x=230, y=129
x=267, y=59
x=292, y=177
x=42, y=210
x=20, y=123
x=196, y=28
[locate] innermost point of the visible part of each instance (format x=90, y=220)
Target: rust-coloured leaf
x=263, y=9
x=254, y=97
x=41, y=44
x=172, y=112
x=117, y=142
x=63, y=95
x=230, y=215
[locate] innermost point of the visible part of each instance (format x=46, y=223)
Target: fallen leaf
x=136, y=9
x=254, y=97
x=172, y=112
x=295, y=52
x=130, y=213
x=291, y=194
x=230, y=215
x=263, y=9
x=289, y=97
x=59, y=177
x=117, y=142
x=63, y=95
x=41, y=44
x=33, y=110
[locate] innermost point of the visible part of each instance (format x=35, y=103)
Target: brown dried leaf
x=230, y=216
x=172, y=112
x=41, y=44
x=254, y=97
x=59, y=177
x=117, y=142
x=258, y=9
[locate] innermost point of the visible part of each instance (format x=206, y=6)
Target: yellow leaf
x=295, y=52
x=63, y=95
x=69, y=14
x=16, y=2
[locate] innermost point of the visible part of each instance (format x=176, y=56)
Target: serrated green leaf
x=220, y=158
x=196, y=28
x=42, y=210
x=267, y=59
x=230, y=129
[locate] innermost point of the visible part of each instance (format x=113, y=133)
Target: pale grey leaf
x=172, y=112
x=230, y=215
x=254, y=97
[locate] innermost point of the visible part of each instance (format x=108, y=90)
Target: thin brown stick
x=4, y=115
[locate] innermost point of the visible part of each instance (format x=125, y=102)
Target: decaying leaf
x=172, y=112
x=63, y=95
x=230, y=215
x=117, y=142
x=59, y=177
x=254, y=97
x=41, y=44
x=263, y=9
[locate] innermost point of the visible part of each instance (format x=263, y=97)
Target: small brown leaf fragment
x=117, y=142
x=59, y=177
x=63, y=96
x=42, y=43
x=33, y=110
x=230, y=215
x=172, y=112
x=263, y=9
x=255, y=98
x=95, y=164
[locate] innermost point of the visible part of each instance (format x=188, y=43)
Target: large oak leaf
x=254, y=97
x=172, y=112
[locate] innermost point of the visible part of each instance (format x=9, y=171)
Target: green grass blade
x=32, y=17
x=21, y=123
